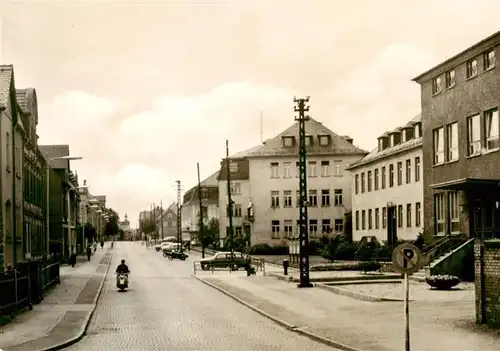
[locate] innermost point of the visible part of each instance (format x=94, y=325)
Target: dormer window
x=395, y=139
x=383, y=143
x=417, y=131
x=288, y=141
x=309, y=140
x=324, y=140
x=407, y=135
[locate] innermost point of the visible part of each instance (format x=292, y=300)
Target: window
x=297, y=169
x=288, y=228
x=417, y=214
x=369, y=180
x=275, y=229
x=408, y=215
x=357, y=220
x=326, y=226
x=275, y=170
x=325, y=168
x=438, y=145
x=363, y=182
x=288, y=141
x=325, y=197
x=287, y=170
x=298, y=198
x=287, y=197
x=391, y=176
x=384, y=178
x=275, y=198
x=471, y=68
x=237, y=210
x=491, y=130
x=454, y=224
x=236, y=188
x=436, y=85
x=377, y=218
x=324, y=140
x=312, y=169
x=238, y=231
x=370, y=219
x=313, y=198
x=363, y=219
x=298, y=227
x=417, y=169
x=7, y=150
x=308, y=140
x=408, y=171
x=384, y=217
x=400, y=173
x=473, y=136
x=356, y=183
x=313, y=227
x=375, y=179
x=489, y=59
x=440, y=213
x=450, y=79
x=400, y=216
x=337, y=171
x=452, y=141
x=338, y=197
x=339, y=226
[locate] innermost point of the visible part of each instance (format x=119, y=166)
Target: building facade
x=166, y=221
x=265, y=185
x=387, y=197
x=209, y=206
x=89, y=216
x=35, y=180
x=11, y=178
x=460, y=99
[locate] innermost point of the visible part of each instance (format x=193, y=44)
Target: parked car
x=169, y=247
x=224, y=260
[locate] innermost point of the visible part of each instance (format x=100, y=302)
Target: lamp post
x=47, y=214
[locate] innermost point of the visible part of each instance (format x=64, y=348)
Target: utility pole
x=179, y=224
x=301, y=107
x=229, y=200
x=201, y=236
x=155, y=233
x=161, y=219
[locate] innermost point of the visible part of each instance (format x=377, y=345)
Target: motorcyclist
x=122, y=268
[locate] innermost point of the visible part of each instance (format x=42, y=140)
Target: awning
x=465, y=184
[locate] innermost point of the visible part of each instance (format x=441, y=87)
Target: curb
x=355, y=295
x=83, y=329
x=280, y=322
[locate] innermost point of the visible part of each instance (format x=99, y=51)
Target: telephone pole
x=155, y=233
x=200, y=225
x=161, y=219
x=301, y=107
x=229, y=200
x=179, y=224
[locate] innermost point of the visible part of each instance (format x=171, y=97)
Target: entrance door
x=392, y=227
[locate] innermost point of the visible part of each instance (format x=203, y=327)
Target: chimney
x=348, y=138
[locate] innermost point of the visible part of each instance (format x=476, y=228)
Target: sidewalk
x=444, y=323
x=64, y=313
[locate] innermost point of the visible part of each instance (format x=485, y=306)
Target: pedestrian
x=102, y=244
x=89, y=252
x=73, y=258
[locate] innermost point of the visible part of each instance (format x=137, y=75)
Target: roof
x=6, y=78
x=22, y=99
x=477, y=45
x=340, y=145
x=53, y=151
x=375, y=154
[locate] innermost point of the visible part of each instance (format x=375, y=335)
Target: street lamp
x=47, y=215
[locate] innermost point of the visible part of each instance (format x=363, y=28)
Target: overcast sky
x=145, y=90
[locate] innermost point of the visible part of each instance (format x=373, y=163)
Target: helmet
x=123, y=261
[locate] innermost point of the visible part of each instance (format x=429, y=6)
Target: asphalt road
x=166, y=309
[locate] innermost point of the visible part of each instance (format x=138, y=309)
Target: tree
x=89, y=232
x=112, y=227
x=147, y=225
x=209, y=235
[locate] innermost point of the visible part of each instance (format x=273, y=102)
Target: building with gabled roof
x=387, y=197
x=166, y=221
x=265, y=185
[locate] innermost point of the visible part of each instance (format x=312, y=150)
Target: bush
x=442, y=282
x=266, y=249
x=355, y=266
x=346, y=251
x=371, y=266
x=367, y=251
x=384, y=253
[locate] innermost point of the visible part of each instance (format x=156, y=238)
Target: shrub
x=346, y=251
x=442, y=282
x=367, y=251
x=354, y=266
x=370, y=266
x=384, y=253
x=266, y=249
x=315, y=247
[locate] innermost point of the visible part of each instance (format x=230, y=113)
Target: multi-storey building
x=209, y=206
x=166, y=221
x=387, y=198
x=460, y=99
x=89, y=205
x=35, y=182
x=100, y=212
x=265, y=185
x=11, y=178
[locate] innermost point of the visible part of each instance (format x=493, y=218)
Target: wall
x=241, y=199
x=459, y=262
x=487, y=281
x=404, y=194
x=56, y=210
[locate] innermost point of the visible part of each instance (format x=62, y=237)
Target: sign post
x=407, y=259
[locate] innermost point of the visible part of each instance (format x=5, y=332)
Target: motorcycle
x=122, y=281
x=175, y=254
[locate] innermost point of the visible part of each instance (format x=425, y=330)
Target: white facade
x=390, y=176
x=241, y=195
x=190, y=215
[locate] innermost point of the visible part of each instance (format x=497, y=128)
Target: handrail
x=436, y=244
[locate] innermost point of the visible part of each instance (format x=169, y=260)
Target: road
x=167, y=309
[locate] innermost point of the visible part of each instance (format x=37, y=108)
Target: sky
x=144, y=90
